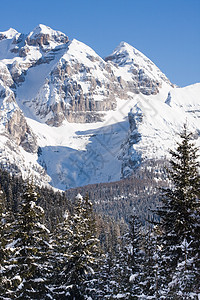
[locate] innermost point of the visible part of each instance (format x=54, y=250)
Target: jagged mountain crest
x=43, y=35
x=8, y=34
x=69, y=114
x=139, y=68
x=84, y=85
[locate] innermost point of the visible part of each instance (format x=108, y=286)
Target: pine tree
x=112, y=268
x=125, y=265
x=60, y=243
x=5, y=238
x=3, y=252
x=2, y=228
x=182, y=285
x=120, y=271
x=79, y=253
x=150, y=264
x=136, y=256
x=180, y=221
x=113, y=277
x=27, y=267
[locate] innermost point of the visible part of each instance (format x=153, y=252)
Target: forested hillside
x=140, y=191
x=138, y=238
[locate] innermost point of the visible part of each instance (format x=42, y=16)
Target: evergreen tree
x=125, y=266
x=5, y=238
x=112, y=269
x=79, y=252
x=150, y=264
x=27, y=267
x=2, y=228
x=61, y=245
x=180, y=222
x=136, y=256
x=120, y=272
x=114, y=273
x=3, y=252
x=183, y=284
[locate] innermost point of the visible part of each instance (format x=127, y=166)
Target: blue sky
x=167, y=31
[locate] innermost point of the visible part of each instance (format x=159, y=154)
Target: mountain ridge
x=81, y=119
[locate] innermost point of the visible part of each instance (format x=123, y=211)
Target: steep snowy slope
x=58, y=79
x=186, y=98
x=72, y=87
x=71, y=118
x=140, y=73
x=76, y=154
x=18, y=143
x=155, y=125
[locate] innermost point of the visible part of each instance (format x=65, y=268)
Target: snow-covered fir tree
x=2, y=228
x=78, y=252
x=60, y=245
x=183, y=284
x=6, y=219
x=180, y=223
x=122, y=270
x=150, y=263
x=136, y=256
x=119, y=272
x=3, y=252
x=27, y=269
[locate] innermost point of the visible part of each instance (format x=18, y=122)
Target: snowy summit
x=76, y=118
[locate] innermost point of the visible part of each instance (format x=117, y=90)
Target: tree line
x=160, y=260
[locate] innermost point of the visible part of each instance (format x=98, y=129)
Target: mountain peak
x=80, y=49
x=42, y=35
x=123, y=45
x=125, y=50
x=109, y=117
x=43, y=29
x=9, y=34
x=136, y=63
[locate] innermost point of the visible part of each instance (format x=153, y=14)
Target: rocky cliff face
x=131, y=159
x=72, y=118
x=75, y=83
x=142, y=76
x=12, y=121
x=5, y=76
x=26, y=51
x=84, y=86
x=20, y=132
x=43, y=36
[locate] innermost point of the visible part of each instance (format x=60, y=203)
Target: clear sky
x=167, y=31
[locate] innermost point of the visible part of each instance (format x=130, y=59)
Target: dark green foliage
x=27, y=269
x=113, y=276
x=53, y=203
x=155, y=262
x=136, y=256
x=2, y=225
x=3, y=252
x=5, y=237
x=180, y=222
x=117, y=199
x=151, y=263
x=78, y=253
x=122, y=271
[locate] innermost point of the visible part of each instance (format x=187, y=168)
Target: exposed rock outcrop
x=43, y=35
x=21, y=133
x=143, y=76
x=5, y=75
x=131, y=158
x=15, y=125
x=79, y=85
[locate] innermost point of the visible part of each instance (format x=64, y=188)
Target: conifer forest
x=133, y=239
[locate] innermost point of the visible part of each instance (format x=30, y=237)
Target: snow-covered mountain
x=71, y=118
